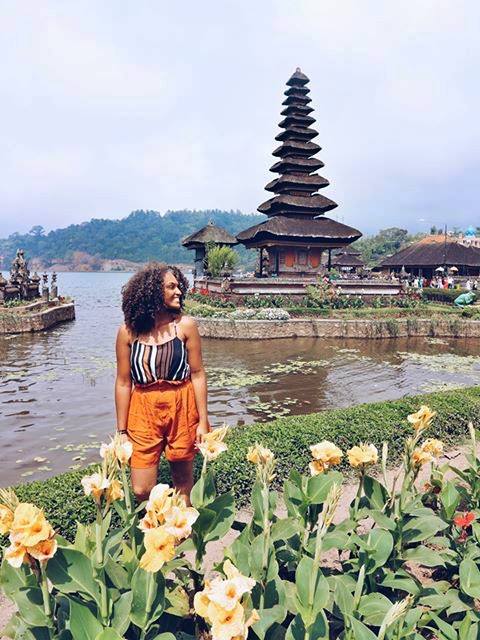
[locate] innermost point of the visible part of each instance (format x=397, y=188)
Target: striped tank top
x=154, y=362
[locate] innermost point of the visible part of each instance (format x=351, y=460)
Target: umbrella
x=453, y=269
x=439, y=269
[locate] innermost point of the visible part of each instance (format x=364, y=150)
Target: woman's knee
x=143, y=481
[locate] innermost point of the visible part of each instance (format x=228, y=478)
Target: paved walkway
x=215, y=550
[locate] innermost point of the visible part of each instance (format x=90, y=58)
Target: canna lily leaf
x=470, y=578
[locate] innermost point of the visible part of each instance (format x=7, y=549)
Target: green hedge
x=441, y=295
x=290, y=438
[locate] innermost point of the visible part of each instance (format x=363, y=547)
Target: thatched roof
x=347, y=259
x=285, y=204
x=209, y=233
x=433, y=251
x=316, y=231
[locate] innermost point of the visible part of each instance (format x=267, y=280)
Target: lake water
x=56, y=387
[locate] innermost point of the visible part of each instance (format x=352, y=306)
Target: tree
x=221, y=261
x=37, y=231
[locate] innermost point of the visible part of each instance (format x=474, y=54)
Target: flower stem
x=148, y=603
x=128, y=504
x=100, y=574
x=45, y=594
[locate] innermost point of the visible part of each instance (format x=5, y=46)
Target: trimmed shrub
x=441, y=295
x=289, y=438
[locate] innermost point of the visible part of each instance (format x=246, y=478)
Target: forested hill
x=141, y=236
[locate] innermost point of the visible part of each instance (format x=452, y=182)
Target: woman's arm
x=197, y=372
x=123, y=381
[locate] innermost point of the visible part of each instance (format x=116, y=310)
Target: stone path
x=215, y=550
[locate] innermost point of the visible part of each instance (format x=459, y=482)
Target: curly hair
x=143, y=299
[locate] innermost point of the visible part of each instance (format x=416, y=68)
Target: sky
x=107, y=107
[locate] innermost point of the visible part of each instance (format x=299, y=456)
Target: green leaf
x=450, y=498
x=108, y=634
x=375, y=493
x=70, y=571
x=29, y=602
x=140, y=584
x=224, y=509
x=378, y=545
x=383, y=521
x=319, y=486
x=343, y=598
x=312, y=589
x=373, y=608
x=470, y=578
x=284, y=529
x=448, y=632
x=424, y=556
x=121, y=612
x=360, y=631
x=203, y=491
x=176, y=602
x=168, y=636
x=419, y=529
x=296, y=629
x=117, y=574
x=82, y=623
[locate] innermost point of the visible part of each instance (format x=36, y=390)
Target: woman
x=159, y=354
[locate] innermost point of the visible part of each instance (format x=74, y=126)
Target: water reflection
x=56, y=388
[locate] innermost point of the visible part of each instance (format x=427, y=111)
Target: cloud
x=111, y=106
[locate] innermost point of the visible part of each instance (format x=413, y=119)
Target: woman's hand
x=202, y=428
x=123, y=436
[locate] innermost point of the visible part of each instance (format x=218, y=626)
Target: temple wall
x=332, y=328
x=13, y=322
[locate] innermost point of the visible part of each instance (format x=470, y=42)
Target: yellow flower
x=178, y=521
x=316, y=467
x=212, y=445
x=29, y=525
x=226, y=624
x=6, y=519
x=433, y=446
x=16, y=554
x=363, y=455
x=44, y=550
x=159, y=548
x=117, y=448
x=160, y=500
x=95, y=485
x=327, y=453
x=421, y=457
x=259, y=455
x=201, y=600
x=227, y=593
x=422, y=418
x=114, y=490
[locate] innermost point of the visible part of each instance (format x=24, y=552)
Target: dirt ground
x=215, y=549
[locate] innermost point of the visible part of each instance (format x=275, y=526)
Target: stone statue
x=464, y=299
x=19, y=273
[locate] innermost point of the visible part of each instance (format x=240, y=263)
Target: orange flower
x=44, y=550
x=29, y=526
x=6, y=519
x=465, y=520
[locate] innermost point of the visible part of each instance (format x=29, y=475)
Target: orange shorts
x=162, y=417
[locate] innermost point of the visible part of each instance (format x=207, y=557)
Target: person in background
x=161, y=386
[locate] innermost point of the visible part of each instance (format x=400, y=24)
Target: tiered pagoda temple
x=297, y=239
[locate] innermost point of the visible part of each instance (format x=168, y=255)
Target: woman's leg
x=143, y=481
x=182, y=476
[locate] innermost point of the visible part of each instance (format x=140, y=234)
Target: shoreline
x=410, y=327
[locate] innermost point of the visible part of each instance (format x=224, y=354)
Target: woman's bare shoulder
x=124, y=334
x=188, y=324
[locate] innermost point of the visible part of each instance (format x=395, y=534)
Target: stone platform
x=37, y=316
x=226, y=329
x=237, y=287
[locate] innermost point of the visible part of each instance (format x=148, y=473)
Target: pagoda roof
x=296, y=100
x=433, y=251
x=297, y=120
x=346, y=259
x=316, y=230
x=302, y=165
x=297, y=78
x=297, y=133
x=294, y=147
x=285, y=205
x=297, y=109
x=209, y=233
x=302, y=182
